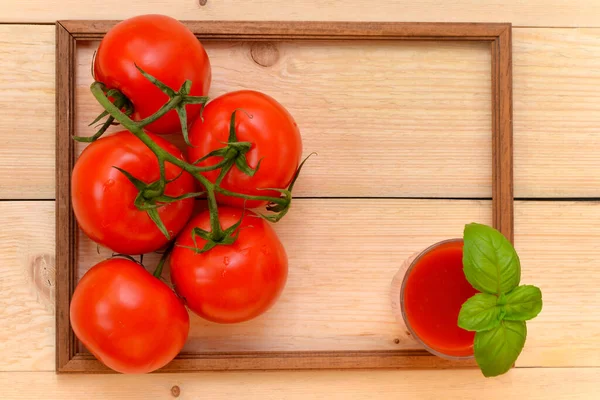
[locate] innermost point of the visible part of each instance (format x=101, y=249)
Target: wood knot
x=397, y=341
x=202, y=2
x=264, y=54
x=42, y=272
x=175, y=391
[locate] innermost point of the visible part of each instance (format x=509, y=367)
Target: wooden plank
x=556, y=242
x=376, y=115
x=539, y=384
x=531, y=13
x=557, y=112
x=556, y=117
x=27, y=286
x=27, y=104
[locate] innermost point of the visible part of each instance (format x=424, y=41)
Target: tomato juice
x=433, y=291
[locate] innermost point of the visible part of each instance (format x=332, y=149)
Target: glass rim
x=403, y=312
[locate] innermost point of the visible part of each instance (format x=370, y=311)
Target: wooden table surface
x=556, y=57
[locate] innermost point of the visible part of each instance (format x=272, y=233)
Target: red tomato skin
x=230, y=283
x=164, y=48
x=128, y=319
x=103, y=198
x=274, y=136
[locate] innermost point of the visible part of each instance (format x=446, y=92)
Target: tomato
x=103, y=198
x=230, y=283
x=274, y=136
x=130, y=320
x=164, y=48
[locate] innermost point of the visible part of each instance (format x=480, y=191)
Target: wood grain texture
x=523, y=13
x=27, y=283
x=537, y=384
x=27, y=109
x=557, y=244
x=556, y=110
x=555, y=240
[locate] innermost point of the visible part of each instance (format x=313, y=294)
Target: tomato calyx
x=221, y=237
x=151, y=197
x=177, y=101
x=233, y=153
x=280, y=210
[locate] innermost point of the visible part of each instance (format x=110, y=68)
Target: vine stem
x=159, y=267
x=136, y=128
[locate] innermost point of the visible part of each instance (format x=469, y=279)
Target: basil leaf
x=490, y=262
x=497, y=349
x=480, y=313
x=523, y=303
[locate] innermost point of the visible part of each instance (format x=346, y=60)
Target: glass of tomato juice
x=432, y=292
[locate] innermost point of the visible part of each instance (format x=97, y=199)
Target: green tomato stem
x=159, y=268
x=168, y=106
x=277, y=200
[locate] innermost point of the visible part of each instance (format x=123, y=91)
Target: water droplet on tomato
x=108, y=184
x=265, y=250
x=226, y=261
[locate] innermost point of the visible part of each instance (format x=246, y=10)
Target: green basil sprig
x=498, y=314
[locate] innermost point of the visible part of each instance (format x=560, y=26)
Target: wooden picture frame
x=68, y=33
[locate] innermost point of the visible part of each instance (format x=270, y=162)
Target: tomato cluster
x=135, y=192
